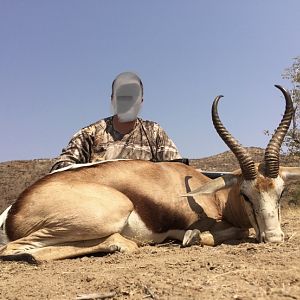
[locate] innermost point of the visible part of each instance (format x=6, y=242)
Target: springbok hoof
x=24, y=257
x=191, y=237
x=113, y=248
x=123, y=248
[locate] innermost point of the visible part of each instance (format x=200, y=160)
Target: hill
x=17, y=175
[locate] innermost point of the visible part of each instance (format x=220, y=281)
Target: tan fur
x=87, y=210
x=264, y=184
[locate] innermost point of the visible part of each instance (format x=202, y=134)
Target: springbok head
x=261, y=185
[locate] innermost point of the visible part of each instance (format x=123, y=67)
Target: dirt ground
x=234, y=271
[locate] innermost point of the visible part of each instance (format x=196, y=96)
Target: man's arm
x=166, y=148
x=78, y=150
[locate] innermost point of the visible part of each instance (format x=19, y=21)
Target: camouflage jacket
x=99, y=141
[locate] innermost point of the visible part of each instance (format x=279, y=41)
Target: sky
x=58, y=59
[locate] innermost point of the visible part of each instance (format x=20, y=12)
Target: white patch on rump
x=3, y=218
x=3, y=236
x=137, y=231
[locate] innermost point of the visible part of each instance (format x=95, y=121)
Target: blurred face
x=127, y=98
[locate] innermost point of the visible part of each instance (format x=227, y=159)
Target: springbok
x=119, y=205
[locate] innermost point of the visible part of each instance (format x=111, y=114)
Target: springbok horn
x=245, y=160
x=273, y=148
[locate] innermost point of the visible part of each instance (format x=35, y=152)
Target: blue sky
x=58, y=59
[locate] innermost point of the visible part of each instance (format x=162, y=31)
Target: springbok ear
x=290, y=172
x=214, y=185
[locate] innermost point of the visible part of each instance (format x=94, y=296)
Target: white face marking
x=263, y=207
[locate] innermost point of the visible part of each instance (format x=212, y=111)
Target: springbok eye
x=246, y=198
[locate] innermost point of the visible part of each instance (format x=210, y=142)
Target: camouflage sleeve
x=78, y=150
x=166, y=149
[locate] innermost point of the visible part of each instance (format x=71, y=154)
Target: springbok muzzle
x=273, y=236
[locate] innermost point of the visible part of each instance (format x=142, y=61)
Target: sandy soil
x=234, y=271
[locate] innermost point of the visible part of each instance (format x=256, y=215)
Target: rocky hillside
x=15, y=176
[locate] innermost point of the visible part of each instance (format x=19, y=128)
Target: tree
x=292, y=138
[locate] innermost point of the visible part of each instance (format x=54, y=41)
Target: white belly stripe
x=136, y=230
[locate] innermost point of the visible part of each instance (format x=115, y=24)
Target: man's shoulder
x=150, y=124
x=97, y=126
x=100, y=124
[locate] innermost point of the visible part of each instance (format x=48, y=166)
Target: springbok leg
x=220, y=233
x=113, y=243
